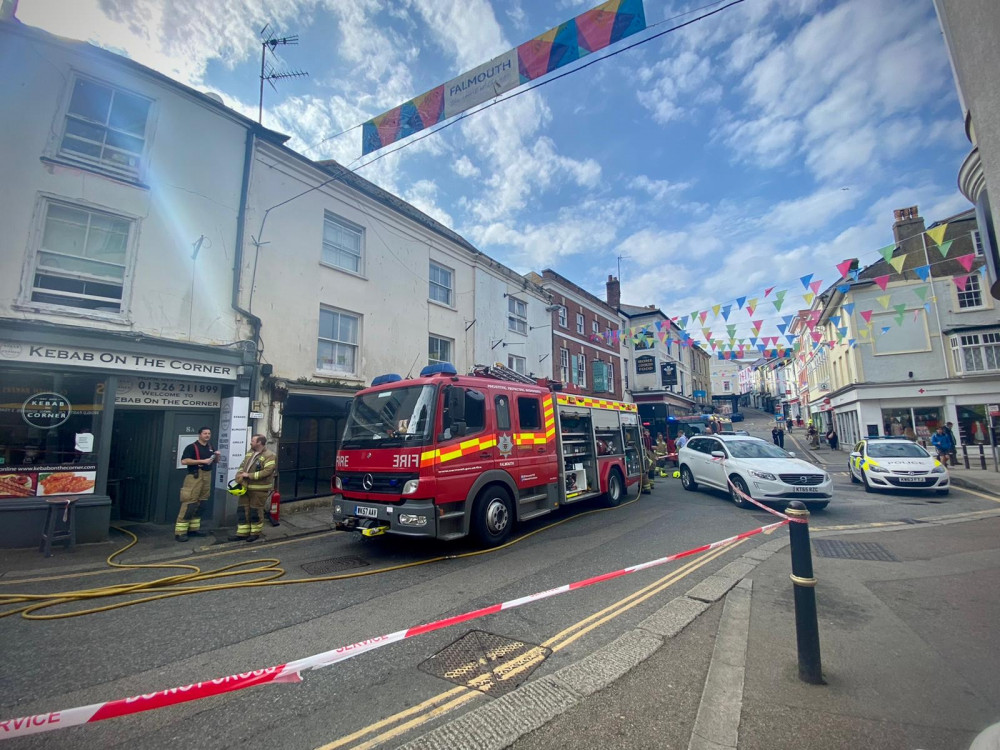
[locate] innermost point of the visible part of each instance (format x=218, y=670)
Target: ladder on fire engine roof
x=501, y=372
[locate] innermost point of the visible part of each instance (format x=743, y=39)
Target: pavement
x=907, y=618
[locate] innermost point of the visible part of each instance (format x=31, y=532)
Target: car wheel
x=850, y=473
x=817, y=506
x=864, y=481
x=616, y=489
x=737, y=486
x=687, y=479
x=493, y=516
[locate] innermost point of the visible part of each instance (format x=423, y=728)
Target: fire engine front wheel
x=493, y=516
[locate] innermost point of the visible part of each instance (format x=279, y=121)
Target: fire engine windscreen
x=400, y=416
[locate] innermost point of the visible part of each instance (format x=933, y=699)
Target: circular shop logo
x=10, y=351
x=46, y=410
x=124, y=385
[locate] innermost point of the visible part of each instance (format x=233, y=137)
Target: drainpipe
x=255, y=322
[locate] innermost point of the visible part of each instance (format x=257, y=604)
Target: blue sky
x=767, y=142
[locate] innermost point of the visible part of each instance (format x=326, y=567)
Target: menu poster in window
x=46, y=481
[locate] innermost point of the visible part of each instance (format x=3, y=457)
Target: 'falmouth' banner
x=591, y=31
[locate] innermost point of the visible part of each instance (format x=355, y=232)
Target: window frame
x=517, y=315
x=450, y=302
x=581, y=370
x=359, y=319
x=963, y=295
x=581, y=323
x=564, y=365
x=133, y=174
x=980, y=347
x=330, y=216
x=563, y=317
x=24, y=300
x=514, y=359
x=443, y=340
x=595, y=327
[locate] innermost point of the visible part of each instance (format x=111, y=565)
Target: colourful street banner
x=594, y=30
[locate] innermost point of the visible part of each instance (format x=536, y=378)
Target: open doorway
x=134, y=462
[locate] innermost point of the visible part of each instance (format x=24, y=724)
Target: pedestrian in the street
x=256, y=473
x=832, y=439
x=682, y=440
x=813, y=434
x=774, y=435
x=954, y=443
x=943, y=444
x=198, y=457
x=781, y=436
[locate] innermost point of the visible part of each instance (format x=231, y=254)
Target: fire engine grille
x=333, y=565
x=486, y=662
x=386, y=483
x=853, y=550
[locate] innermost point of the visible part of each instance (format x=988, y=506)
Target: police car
x=896, y=464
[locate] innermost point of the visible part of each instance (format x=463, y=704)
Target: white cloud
x=463, y=167
x=809, y=214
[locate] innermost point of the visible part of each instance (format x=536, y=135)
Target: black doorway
x=134, y=462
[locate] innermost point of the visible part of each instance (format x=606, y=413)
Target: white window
x=442, y=284
x=517, y=315
x=579, y=323
x=517, y=364
x=976, y=352
x=609, y=376
x=972, y=295
x=564, y=365
x=83, y=259
x=338, y=341
x=105, y=127
x=563, y=316
x=438, y=350
x=595, y=327
x=342, y=243
x=581, y=371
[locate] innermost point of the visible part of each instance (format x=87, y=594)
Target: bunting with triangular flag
x=882, y=282
x=898, y=263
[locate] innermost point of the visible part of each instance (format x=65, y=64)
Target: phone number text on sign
x=170, y=393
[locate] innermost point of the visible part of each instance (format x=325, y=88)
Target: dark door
x=181, y=428
x=134, y=463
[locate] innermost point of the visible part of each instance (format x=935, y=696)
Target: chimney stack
x=909, y=223
x=614, y=292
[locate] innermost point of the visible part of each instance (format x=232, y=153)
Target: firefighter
x=649, y=462
x=256, y=473
x=198, y=457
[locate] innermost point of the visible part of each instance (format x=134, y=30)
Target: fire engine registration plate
x=361, y=510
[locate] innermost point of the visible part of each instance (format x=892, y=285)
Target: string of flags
x=734, y=346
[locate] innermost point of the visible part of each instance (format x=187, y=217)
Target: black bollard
x=965, y=456
x=806, y=624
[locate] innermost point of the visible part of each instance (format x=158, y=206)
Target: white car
x=755, y=467
x=896, y=464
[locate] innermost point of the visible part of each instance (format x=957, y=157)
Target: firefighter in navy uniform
x=256, y=473
x=198, y=457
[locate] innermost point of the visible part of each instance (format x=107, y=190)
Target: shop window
x=343, y=244
x=83, y=259
x=50, y=427
x=105, y=127
x=338, y=341
x=442, y=284
x=973, y=425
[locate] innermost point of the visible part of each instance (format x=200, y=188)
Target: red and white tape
x=291, y=672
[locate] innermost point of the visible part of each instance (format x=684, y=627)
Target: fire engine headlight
x=337, y=510
x=408, y=519
x=337, y=484
x=411, y=486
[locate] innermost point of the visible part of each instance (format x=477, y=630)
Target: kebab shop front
x=107, y=425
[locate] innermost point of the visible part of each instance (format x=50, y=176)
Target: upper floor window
x=972, y=295
x=579, y=323
x=342, y=244
x=977, y=241
x=976, y=352
x=563, y=316
x=517, y=364
x=438, y=350
x=442, y=284
x=595, y=327
x=338, y=341
x=564, y=365
x=517, y=315
x=580, y=377
x=105, y=126
x=83, y=259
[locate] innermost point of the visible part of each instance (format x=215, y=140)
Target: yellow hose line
x=171, y=586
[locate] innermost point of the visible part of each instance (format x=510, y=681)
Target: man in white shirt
x=681, y=440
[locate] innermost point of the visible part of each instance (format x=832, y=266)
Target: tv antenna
x=268, y=41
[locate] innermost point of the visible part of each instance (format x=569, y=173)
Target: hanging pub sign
x=668, y=373
x=645, y=365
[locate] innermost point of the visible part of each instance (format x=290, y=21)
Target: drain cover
x=486, y=662
x=853, y=550
x=333, y=565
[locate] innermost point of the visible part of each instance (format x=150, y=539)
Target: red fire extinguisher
x=274, y=511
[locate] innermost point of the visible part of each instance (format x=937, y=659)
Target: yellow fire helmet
x=235, y=488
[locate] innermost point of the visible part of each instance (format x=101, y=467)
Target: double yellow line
x=422, y=713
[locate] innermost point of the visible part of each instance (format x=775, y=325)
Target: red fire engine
x=444, y=455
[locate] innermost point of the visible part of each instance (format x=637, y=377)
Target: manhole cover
x=853, y=550
x=486, y=662
x=333, y=565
